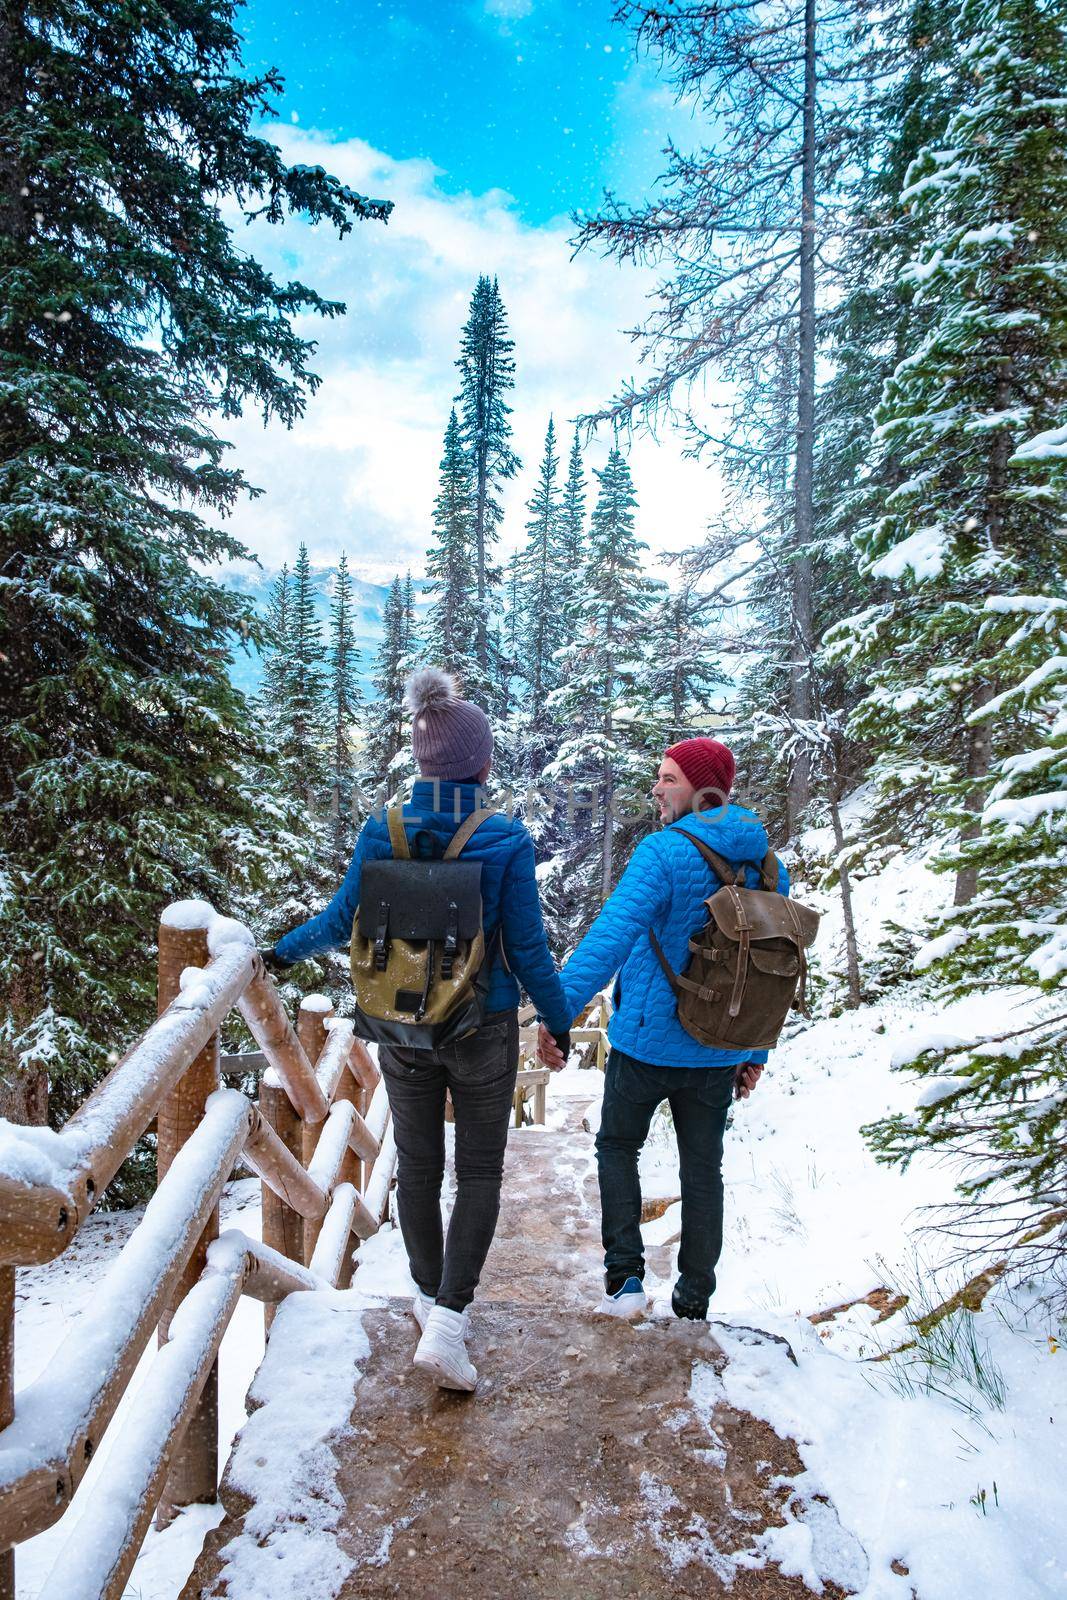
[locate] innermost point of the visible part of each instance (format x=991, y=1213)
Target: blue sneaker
x=628, y=1302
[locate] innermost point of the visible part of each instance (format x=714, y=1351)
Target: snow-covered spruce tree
x=487, y=372
x=130, y=321
x=988, y=373
x=542, y=615
x=572, y=532
x=973, y=544
x=275, y=687
x=604, y=701
x=451, y=632
x=304, y=714
x=408, y=630
x=386, y=718
x=684, y=667
x=346, y=716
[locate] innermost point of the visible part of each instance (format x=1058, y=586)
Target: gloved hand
x=274, y=963
x=552, y=1048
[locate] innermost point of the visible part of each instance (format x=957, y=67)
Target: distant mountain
x=246, y=666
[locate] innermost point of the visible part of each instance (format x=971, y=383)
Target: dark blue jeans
x=480, y=1073
x=699, y=1098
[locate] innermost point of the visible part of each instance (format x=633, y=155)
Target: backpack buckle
x=381, y=937
x=451, y=944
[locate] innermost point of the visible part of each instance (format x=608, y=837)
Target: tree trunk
x=852, y=958
x=979, y=751
x=800, y=697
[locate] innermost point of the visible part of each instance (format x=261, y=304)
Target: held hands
x=552, y=1048
x=746, y=1077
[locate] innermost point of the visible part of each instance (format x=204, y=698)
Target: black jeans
x=480, y=1072
x=699, y=1099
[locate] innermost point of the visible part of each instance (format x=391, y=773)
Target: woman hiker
x=453, y=745
x=652, y=1057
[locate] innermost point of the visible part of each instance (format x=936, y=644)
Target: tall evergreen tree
x=967, y=650
x=385, y=713
x=275, y=691
x=487, y=371
x=346, y=710
x=305, y=713
x=541, y=623
x=452, y=626
x=605, y=696
x=572, y=530
x=131, y=320
x=408, y=628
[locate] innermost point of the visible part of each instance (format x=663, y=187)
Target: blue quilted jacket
x=664, y=886
x=509, y=894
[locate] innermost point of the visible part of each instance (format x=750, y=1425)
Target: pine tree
x=131, y=321
x=542, y=621
x=487, y=371
x=968, y=678
x=275, y=690
x=452, y=573
x=386, y=741
x=605, y=697
x=346, y=711
x=304, y=715
x=572, y=531
x=683, y=670
x=408, y=628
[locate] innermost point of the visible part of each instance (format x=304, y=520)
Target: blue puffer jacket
x=664, y=887
x=509, y=895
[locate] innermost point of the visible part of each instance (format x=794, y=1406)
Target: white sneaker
x=421, y=1306
x=629, y=1302
x=442, y=1351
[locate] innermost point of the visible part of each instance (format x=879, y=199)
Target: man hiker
x=653, y=1058
x=453, y=744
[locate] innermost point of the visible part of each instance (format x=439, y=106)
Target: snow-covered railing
x=319, y=1138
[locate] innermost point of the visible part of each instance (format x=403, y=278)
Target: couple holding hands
x=643, y=933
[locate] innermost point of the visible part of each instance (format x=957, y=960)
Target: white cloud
x=359, y=471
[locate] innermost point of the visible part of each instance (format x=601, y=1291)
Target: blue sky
x=543, y=98
x=486, y=122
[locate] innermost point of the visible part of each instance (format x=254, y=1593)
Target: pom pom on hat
x=430, y=686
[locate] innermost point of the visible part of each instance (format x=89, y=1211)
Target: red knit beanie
x=708, y=765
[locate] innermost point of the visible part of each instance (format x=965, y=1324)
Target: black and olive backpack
x=420, y=964
x=748, y=964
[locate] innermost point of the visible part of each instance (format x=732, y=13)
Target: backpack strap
x=668, y=971
x=463, y=833
x=718, y=864
x=397, y=837
x=769, y=871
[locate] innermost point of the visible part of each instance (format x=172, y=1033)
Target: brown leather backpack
x=748, y=964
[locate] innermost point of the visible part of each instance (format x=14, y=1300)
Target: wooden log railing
x=589, y=1047
x=320, y=1140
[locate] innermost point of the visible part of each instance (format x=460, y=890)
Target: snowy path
x=596, y=1459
